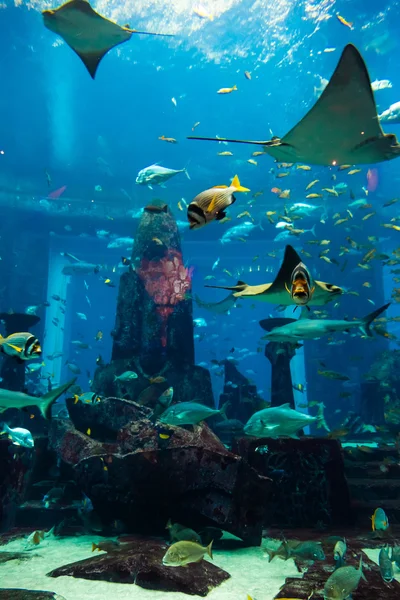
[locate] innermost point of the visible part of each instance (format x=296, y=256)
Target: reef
x=140, y=562
x=149, y=474
x=153, y=333
x=316, y=575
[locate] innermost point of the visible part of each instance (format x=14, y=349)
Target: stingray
x=89, y=34
x=276, y=292
x=341, y=128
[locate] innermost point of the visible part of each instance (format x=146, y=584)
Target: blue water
x=87, y=133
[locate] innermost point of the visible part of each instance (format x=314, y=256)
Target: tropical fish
x=170, y=140
x=157, y=175
x=23, y=346
x=301, y=289
x=343, y=582
x=292, y=330
x=189, y=413
x=210, y=205
x=126, y=376
x=10, y=399
x=380, y=522
x=344, y=22
x=339, y=553
x=227, y=90
x=180, y=533
x=184, y=553
x=18, y=436
x=237, y=232
x=386, y=565
x=280, y=421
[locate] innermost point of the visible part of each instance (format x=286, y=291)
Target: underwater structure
x=153, y=333
x=121, y=457
x=279, y=355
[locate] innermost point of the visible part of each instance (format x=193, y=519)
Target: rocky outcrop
x=140, y=562
x=153, y=333
x=152, y=473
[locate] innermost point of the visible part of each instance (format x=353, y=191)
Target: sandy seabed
x=249, y=569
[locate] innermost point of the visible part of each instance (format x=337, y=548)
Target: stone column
x=280, y=354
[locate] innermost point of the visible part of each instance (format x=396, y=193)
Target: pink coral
x=167, y=281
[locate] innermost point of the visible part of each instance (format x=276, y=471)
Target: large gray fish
x=19, y=400
x=292, y=330
x=280, y=421
x=157, y=175
x=343, y=582
x=188, y=413
x=280, y=290
x=78, y=266
x=210, y=205
x=219, y=308
x=23, y=346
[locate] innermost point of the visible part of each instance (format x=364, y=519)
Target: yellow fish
x=330, y=191
x=227, y=272
x=180, y=205
x=309, y=196
x=227, y=90
x=252, y=162
x=344, y=167
x=354, y=171
x=368, y=216
x=257, y=153
x=310, y=185
x=340, y=221
x=344, y=22
x=280, y=175
x=244, y=214
x=303, y=167
x=157, y=241
x=324, y=242
x=226, y=153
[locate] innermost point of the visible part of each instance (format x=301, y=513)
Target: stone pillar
x=280, y=354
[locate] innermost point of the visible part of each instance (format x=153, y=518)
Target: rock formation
x=153, y=333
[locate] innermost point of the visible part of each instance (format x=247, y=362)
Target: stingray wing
x=342, y=127
x=324, y=293
x=89, y=34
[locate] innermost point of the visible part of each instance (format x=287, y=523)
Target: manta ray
x=341, y=128
x=278, y=292
x=89, y=34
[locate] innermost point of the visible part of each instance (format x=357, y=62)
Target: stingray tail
x=257, y=143
x=239, y=287
x=149, y=32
